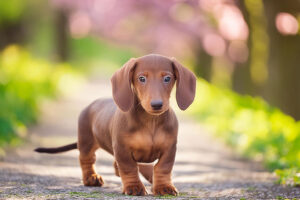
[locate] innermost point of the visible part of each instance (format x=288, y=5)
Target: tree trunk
x=241, y=77
x=203, y=65
x=62, y=35
x=283, y=87
x=12, y=34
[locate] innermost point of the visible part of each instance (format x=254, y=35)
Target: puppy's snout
x=156, y=104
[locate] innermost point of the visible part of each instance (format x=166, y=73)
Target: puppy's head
x=151, y=78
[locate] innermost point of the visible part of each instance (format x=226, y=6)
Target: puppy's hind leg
x=89, y=175
x=87, y=146
x=146, y=170
x=116, y=169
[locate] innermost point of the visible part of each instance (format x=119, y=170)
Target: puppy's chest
x=146, y=146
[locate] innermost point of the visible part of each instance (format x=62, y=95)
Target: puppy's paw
x=93, y=180
x=135, y=189
x=165, y=190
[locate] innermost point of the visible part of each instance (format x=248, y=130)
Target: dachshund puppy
x=137, y=126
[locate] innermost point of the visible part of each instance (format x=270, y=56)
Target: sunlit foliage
x=11, y=10
x=252, y=127
x=24, y=83
x=290, y=176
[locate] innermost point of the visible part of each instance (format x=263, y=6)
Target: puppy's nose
x=156, y=104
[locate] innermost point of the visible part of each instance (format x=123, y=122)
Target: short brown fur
x=133, y=131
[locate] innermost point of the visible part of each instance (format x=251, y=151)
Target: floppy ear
x=121, y=86
x=185, y=85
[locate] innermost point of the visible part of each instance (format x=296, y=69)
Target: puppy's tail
x=57, y=149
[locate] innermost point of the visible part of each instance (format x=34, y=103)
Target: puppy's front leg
x=128, y=171
x=162, y=183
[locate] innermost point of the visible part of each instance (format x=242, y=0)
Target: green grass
x=166, y=197
x=182, y=194
x=86, y=194
x=94, y=194
x=289, y=176
x=252, y=127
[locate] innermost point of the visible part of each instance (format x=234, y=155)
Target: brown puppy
x=138, y=127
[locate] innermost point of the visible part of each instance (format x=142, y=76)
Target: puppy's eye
x=167, y=79
x=142, y=79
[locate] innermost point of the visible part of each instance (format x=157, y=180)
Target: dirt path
x=204, y=168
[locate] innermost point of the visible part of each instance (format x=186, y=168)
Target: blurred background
x=245, y=54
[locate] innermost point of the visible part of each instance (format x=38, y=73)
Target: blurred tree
x=11, y=33
x=283, y=86
x=11, y=22
x=250, y=77
x=35, y=24
x=241, y=78
x=62, y=34
x=203, y=62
